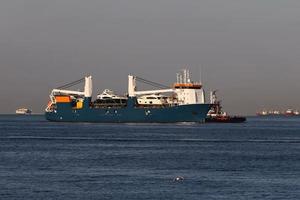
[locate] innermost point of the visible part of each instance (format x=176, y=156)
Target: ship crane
x=132, y=87
x=66, y=92
x=88, y=89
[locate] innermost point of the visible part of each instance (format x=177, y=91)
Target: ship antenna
x=200, y=74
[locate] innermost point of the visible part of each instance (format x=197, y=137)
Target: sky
x=248, y=50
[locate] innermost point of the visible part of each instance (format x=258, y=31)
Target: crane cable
x=68, y=85
x=154, y=84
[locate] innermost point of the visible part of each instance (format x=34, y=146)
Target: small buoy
x=178, y=178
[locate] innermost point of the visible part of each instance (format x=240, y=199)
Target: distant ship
x=23, y=111
x=216, y=114
x=291, y=112
x=288, y=112
x=185, y=103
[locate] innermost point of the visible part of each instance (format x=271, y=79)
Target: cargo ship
x=183, y=102
x=217, y=115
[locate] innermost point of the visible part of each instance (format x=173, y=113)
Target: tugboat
x=216, y=114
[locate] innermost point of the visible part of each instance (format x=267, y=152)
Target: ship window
x=151, y=97
x=150, y=102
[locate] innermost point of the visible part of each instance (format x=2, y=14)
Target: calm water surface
x=259, y=159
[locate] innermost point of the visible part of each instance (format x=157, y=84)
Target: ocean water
x=259, y=159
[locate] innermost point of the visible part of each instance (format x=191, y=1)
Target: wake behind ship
x=185, y=102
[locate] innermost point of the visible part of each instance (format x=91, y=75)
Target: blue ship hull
x=129, y=114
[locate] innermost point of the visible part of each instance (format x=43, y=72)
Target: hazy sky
x=248, y=49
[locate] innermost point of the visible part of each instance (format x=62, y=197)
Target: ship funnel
x=88, y=87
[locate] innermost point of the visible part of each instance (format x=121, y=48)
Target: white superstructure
x=188, y=92
x=185, y=90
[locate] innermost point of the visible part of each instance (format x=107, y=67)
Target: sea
x=259, y=159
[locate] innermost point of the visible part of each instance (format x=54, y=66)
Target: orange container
x=62, y=99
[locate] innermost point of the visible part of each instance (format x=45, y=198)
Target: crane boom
x=68, y=92
x=153, y=91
